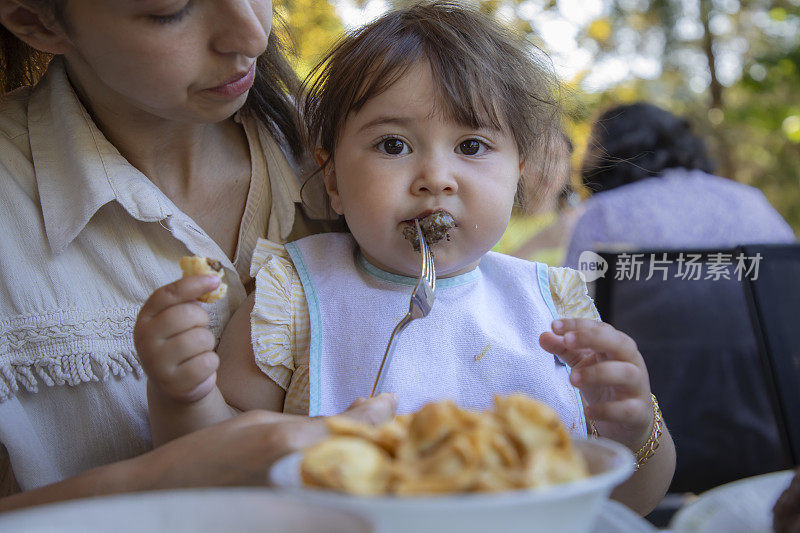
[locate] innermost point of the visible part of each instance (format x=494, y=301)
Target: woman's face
x=182, y=60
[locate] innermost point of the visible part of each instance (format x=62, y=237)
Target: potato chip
x=433, y=423
x=388, y=436
x=531, y=424
x=443, y=449
x=348, y=464
x=551, y=465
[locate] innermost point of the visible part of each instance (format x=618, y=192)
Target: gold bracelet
x=650, y=446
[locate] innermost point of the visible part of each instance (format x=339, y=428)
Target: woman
x=159, y=130
x=653, y=188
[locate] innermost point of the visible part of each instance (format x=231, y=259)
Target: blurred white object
x=566, y=508
x=615, y=517
x=191, y=510
x=743, y=506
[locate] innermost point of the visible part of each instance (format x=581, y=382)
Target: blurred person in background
x=654, y=188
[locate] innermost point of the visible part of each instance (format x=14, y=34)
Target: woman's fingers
x=376, y=410
x=238, y=451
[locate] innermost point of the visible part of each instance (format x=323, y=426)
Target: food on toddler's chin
x=197, y=265
x=435, y=227
x=443, y=449
x=786, y=512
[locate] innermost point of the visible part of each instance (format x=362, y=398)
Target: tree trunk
x=727, y=167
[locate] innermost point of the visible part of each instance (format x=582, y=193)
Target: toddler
x=430, y=109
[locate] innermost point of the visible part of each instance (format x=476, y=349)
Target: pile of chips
x=444, y=449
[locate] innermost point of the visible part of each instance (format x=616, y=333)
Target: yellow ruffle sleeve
x=570, y=294
x=279, y=320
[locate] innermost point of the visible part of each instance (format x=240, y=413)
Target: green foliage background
x=752, y=124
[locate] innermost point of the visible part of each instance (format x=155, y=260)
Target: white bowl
x=241, y=510
x=566, y=508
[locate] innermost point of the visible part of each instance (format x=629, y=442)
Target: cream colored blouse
x=86, y=238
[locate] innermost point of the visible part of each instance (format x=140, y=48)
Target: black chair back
x=688, y=313
x=774, y=295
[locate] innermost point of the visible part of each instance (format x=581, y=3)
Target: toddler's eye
x=393, y=146
x=470, y=147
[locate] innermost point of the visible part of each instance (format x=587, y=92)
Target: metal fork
x=421, y=302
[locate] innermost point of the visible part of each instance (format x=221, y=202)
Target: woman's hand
x=173, y=341
x=239, y=451
x=611, y=375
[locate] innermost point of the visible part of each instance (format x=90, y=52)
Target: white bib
x=480, y=339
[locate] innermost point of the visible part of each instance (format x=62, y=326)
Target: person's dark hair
x=485, y=75
x=636, y=141
x=20, y=65
x=270, y=100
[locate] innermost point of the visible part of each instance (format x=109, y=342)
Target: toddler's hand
x=611, y=375
x=174, y=344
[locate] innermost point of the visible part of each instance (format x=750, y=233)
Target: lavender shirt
x=679, y=209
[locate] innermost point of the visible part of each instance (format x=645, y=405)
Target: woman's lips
x=238, y=86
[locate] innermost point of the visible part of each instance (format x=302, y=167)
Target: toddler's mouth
x=435, y=227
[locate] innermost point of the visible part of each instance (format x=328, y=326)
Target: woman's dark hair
x=485, y=76
x=20, y=64
x=270, y=100
x=636, y=141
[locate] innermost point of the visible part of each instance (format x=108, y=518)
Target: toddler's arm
x=611, y=375
x=242, y=383
x=176, y=348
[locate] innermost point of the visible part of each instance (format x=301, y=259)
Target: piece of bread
x=198, y=265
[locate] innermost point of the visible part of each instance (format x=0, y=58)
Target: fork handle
x=387, y=356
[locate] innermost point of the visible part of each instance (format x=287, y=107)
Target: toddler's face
x=171, y=59
x=398, y=159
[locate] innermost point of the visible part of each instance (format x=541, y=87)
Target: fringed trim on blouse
x=64, y=370
x=47, y=349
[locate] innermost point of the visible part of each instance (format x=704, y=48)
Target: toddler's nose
x=435, y=178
